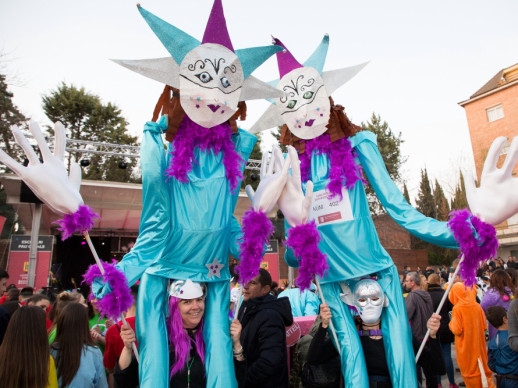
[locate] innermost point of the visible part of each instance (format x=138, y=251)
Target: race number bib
x=330, y=211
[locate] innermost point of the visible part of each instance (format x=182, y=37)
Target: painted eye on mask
x=204, y=77
x=224, y=82
x=308, y=95
x=291, y=104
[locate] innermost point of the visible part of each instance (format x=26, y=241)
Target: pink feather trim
x=81, y=220
x=119, y=300
x=257, y=229
x=477, y=241
x=343, y=172
x=304, y=239
x=218, y=139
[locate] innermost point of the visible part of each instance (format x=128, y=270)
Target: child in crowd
x=502, y=359
x=468, y=324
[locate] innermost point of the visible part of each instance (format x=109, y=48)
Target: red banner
x=18, y=265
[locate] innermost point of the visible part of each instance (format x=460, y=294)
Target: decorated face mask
x=305, y=108
x=369, y=300
x=211, y=77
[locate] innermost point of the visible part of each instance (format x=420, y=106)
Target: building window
x=495, y=113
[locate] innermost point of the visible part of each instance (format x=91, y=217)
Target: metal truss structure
x=85, y=147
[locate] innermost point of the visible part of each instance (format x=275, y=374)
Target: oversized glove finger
x=292, y=202
x=48, y=179
x=272, y=182
x=495, y=200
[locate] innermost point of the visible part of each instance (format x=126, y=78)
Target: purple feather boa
x=218, y=139
x=81, y=220
x=119, y=299
x=477, y=241
x=257, y=229
x=344, y=171
x=304, y=239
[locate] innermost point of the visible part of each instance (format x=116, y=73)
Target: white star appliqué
x=214, y=268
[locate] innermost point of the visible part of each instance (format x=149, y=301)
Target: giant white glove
x=48, y=180
x=292, y=202
x=274, y=174
x=497, y=197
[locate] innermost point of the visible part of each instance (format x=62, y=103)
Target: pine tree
x=433, y=203
x=425, y=201
x=405, y=193
x=442, y=208
x=460, y=200
x=86, y=118
x=9, y=115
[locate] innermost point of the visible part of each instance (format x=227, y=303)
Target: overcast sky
x=425, y=57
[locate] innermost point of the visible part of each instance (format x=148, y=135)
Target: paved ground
x=458, y=377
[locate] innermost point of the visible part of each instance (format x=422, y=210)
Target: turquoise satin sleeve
x=352, y=247
x=426, y=228
x=245, y=143
x=155, y=218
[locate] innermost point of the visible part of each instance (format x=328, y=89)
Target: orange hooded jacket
x=468, y=324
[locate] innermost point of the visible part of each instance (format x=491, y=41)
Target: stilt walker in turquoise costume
x=334, y=154
x=187, y=228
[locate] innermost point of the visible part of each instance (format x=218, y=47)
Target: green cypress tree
x=425, y=201
x=442, y=208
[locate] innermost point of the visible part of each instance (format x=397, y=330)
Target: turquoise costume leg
x=152, y=332
x=397, y=336
x=219, y=362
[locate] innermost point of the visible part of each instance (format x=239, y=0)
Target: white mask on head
x=369, y=300
x=211, y=78
x=306, y=107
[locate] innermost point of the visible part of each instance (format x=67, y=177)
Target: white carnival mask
x=306, y=108
x=367, y=297
x=211, y=77
x=369, y=300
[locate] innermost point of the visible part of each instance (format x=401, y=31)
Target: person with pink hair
x=186, y=344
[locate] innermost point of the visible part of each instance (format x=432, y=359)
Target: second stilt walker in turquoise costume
x=187, y=228
x=329, y=214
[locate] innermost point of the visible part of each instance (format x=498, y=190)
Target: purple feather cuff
x=81, y=220
x=477, y=241
x=257, y=229
x=119, y=300
x=304, y=239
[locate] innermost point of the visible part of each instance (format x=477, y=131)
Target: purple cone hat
x=216, y=30
x=285, y=59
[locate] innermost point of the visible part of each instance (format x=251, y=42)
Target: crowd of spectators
x=69, y=344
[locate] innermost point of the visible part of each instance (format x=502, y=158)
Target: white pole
x=33, y=252
x=450, y=285
x=333, y=332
